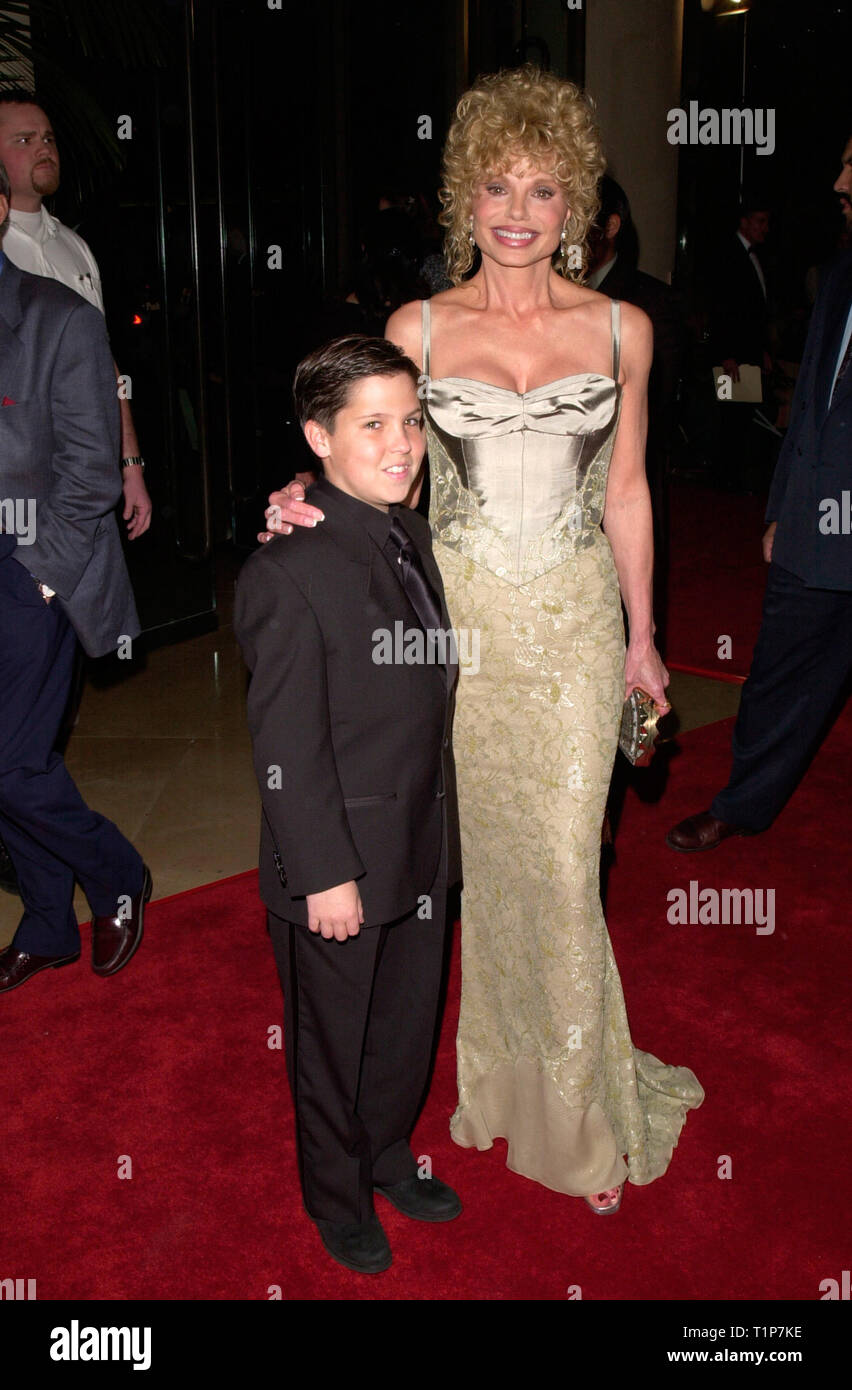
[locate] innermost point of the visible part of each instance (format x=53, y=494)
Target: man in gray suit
x=62, y=577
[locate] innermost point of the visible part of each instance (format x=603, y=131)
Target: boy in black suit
x=350, y=711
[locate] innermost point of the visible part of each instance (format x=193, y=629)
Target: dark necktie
x=421, y=595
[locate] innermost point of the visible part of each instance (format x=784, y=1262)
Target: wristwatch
x=44, y=589
x=133, y=461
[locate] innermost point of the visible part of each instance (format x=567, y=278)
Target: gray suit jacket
x=59, y=451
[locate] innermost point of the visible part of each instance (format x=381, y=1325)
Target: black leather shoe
x=703, y=831
x=8, y=877
x=362, y=1246
x=423, y=1199
x=114, y=939
x=16, y=967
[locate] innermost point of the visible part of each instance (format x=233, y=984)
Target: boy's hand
x=288, y=508
x=337, y=912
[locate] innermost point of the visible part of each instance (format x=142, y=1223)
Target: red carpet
x=168, y=1064
x=716, y=580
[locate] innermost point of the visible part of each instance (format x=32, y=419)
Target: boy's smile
x=377, y=445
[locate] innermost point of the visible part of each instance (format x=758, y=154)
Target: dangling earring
x=470, y=236
x=563, y=249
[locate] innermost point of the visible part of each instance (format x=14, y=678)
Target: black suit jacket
x=59, y=446
x=815, y=462
x=739, y=317
x=367, y=789
x=662, y=305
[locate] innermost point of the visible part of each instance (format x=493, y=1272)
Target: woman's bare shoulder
x=633, y=317
x=596, y=309
x=403, y=327
x=637, y=332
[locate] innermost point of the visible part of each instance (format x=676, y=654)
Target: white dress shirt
x=43, y=245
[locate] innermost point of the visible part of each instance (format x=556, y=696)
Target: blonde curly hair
x=512, y=115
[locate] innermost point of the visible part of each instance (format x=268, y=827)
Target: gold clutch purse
x=639, y=728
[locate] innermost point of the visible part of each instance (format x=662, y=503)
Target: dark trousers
x=51, y=834
x=359, y=1028
x=799, y=675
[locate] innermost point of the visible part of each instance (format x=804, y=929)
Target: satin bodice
x=519, y=479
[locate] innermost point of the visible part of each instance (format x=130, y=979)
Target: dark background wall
x=257, y=128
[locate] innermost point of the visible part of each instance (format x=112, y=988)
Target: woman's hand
x=287, y=509
x=644, y=668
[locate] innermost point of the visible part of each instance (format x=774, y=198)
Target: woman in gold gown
x=534, y=393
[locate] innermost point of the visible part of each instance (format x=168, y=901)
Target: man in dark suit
x=350, y=709
x=803, y=656
x=739, y=324
x=62, y=577
x=739, y=331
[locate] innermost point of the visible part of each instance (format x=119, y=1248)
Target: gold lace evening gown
x=545, y=1058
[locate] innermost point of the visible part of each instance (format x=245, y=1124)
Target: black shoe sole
x=418, y=1215
x=351, y=1264
x=147, y=889
x=701, y=849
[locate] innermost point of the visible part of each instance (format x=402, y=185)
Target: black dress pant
x=51, y=834
x=799, y=676
x=359, y=1027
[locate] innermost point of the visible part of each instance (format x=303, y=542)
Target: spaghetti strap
x=616, y=337
x=426, y=327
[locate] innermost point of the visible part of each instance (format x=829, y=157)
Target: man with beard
x=803, y=656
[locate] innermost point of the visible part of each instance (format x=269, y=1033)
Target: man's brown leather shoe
x=702, y=832
x=114, y=939
x=16, y=967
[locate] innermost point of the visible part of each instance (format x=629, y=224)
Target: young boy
x=359, y=842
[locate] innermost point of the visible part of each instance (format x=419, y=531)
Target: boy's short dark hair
x=325, y=377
